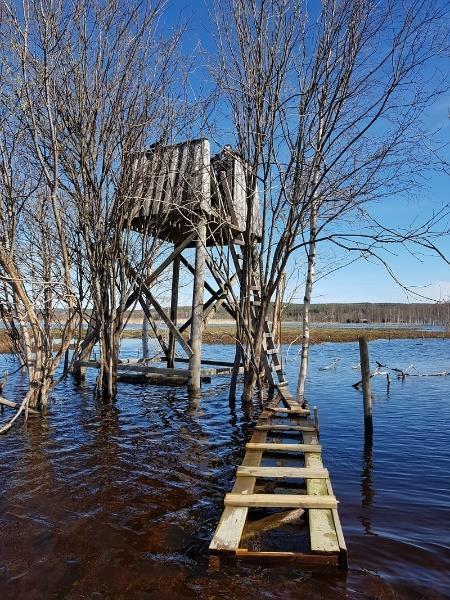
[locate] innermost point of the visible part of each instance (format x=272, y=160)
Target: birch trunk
x=307, y=302
x=315, y=203
x=109, y=347
x=277, y=309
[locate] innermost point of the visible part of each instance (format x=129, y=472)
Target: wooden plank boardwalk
x=283, y=417
x=132, y=370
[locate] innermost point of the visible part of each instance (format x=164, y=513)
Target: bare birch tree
x=102, y=74
x=327, y=112
x=37, y=301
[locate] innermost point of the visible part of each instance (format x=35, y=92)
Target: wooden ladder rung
x=295, y=410
x=284, y=447
x=280, y=501
x=282, y=472
x=277, y=427
x=271, y=351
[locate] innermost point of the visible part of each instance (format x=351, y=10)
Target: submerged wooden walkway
x=133, y=371
x=325, y=548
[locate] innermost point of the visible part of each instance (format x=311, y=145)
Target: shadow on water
x=121, y=500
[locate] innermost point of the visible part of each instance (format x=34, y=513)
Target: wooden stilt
x=365, y=376
x=145, y=347
x=197, y=310
x=173, y=309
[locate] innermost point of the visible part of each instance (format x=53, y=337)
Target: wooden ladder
x=272, y=360
x=327, y=544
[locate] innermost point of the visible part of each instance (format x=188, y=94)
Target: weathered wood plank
x=282, y=472
x=308, y=560
x=293, y=411
x=339, y=533
x=212, y=362
x=143, y=368
x=152, y=378
x=285, y=447
x=286, y=428
x=322, y=531
x=231, y=525
x=229, y=530
x=280, y=501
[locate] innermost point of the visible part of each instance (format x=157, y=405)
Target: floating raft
x=283, y=417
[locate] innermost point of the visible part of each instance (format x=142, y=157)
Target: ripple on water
x=121, y=500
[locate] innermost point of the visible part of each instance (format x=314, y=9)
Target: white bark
x=307, y=302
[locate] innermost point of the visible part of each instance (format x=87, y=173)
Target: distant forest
x=366, y=312
x=430, y=314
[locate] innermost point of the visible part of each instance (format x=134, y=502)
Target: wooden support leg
x=197, y=310
x=145, y=348
x=173, y=309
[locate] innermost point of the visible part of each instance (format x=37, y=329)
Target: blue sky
x=361, y=280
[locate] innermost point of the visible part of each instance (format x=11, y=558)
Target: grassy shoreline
x=219, y=334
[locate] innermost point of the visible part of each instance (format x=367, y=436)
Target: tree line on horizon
x=437, y=313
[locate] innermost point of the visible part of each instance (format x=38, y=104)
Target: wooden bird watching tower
x=196, y=201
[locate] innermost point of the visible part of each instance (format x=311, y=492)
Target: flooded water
x=121, y=501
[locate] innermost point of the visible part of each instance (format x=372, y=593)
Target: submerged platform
x=142, y=371
x=283, y=454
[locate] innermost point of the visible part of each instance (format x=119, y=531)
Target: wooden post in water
x=316, y=421
x=145, y=348
x=197, y=310
x=173, y=310
x=365, y=376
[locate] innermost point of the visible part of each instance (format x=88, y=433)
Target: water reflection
x=194, y=404
x=123, y=498
x=367, y=489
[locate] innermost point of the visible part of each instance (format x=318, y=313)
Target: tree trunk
x=307, y=302
x=197, y=311
x=106, y=387
x=277, y=309
x=252, y=372
x=235, y=371
x=86, y=347
x=40, y=389
x=311, y=259
x=173, y=310
x=145, y=349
